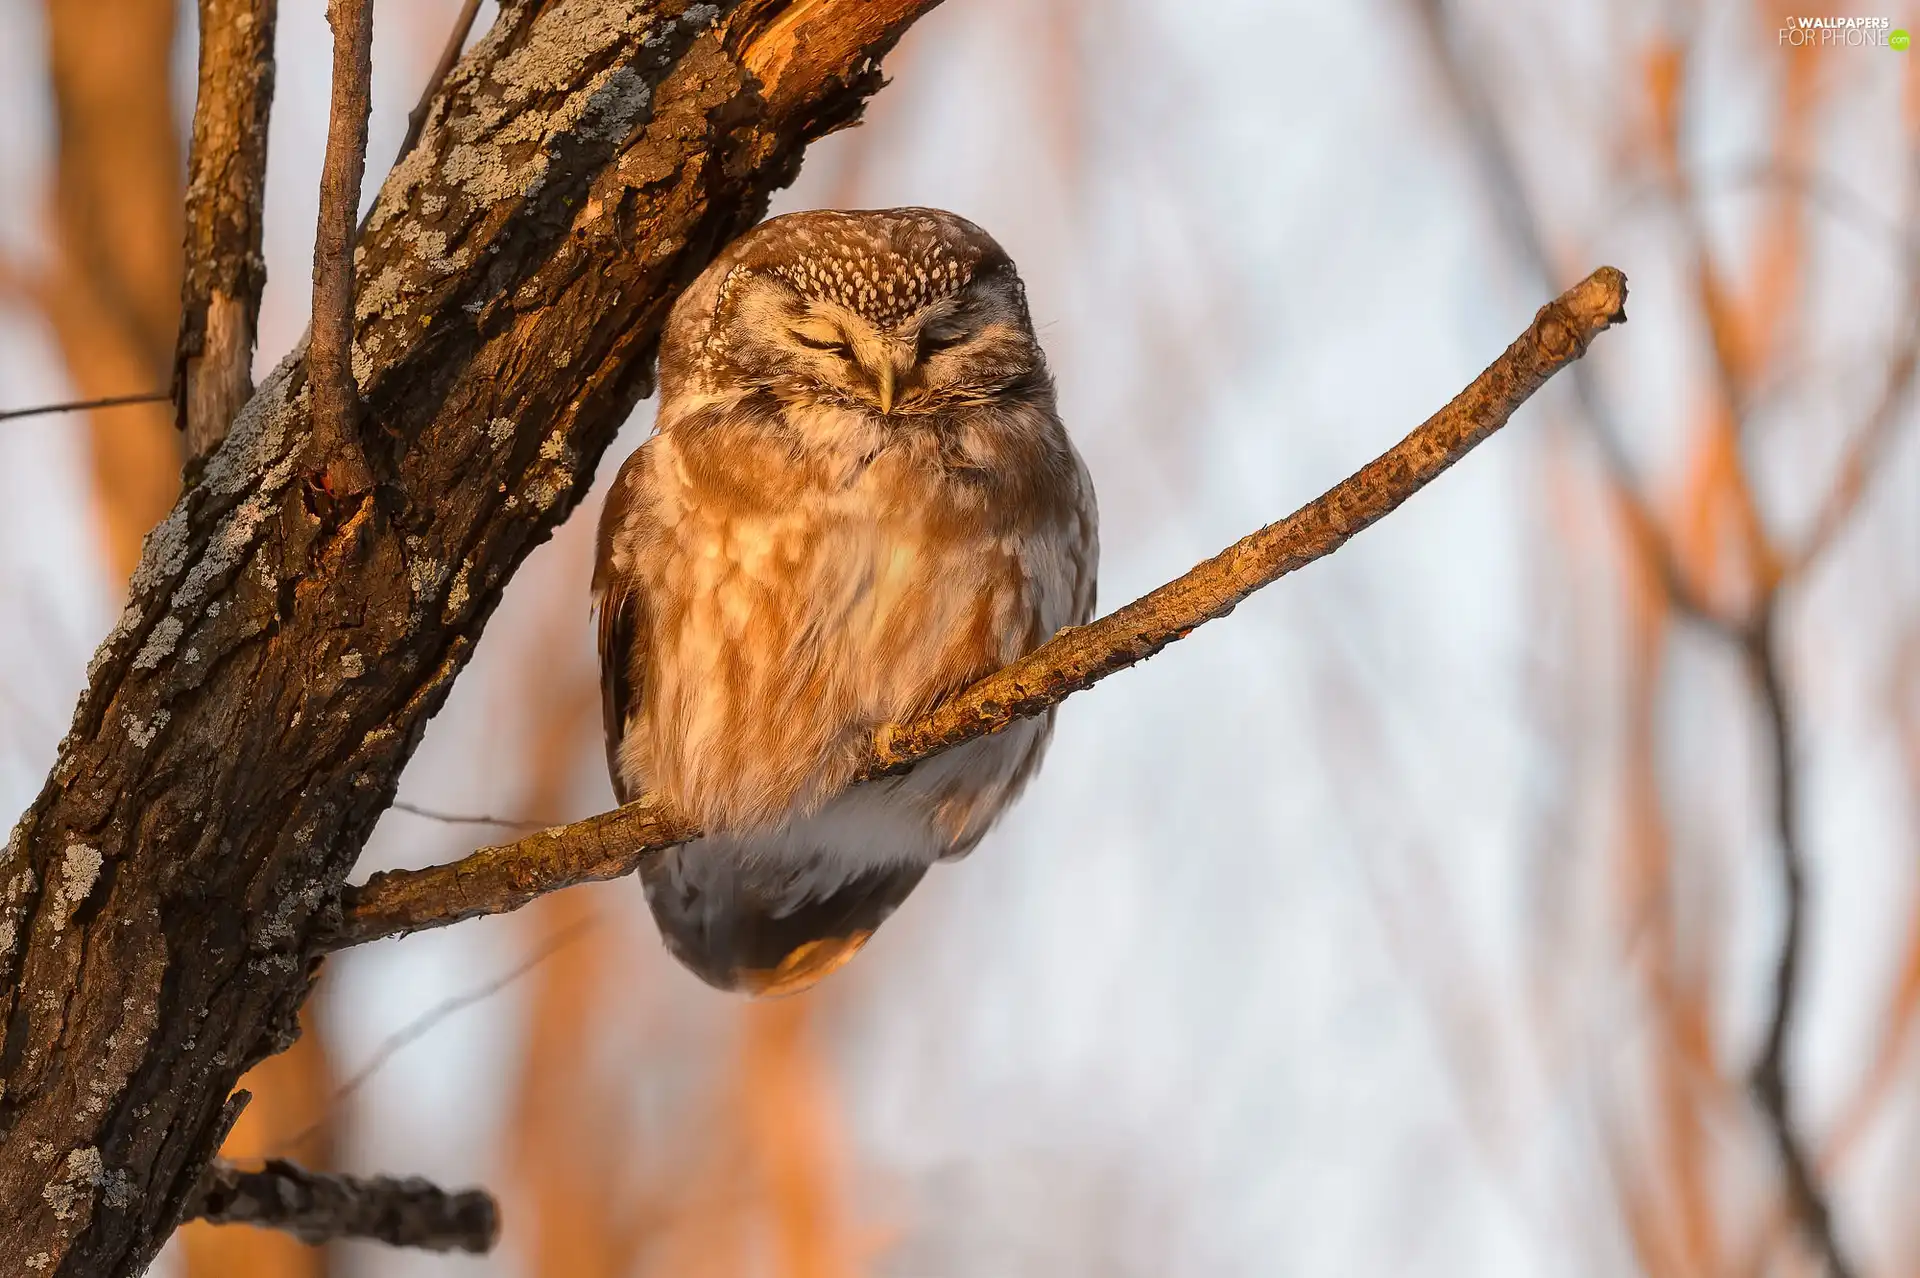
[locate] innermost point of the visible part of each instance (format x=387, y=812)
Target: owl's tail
x=764, y=930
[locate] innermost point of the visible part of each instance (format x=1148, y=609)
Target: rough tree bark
x=247, y=719
x=226, y=200
x=318, y=1206
x=334, y=410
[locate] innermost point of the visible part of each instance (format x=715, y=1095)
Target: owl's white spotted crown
x=884, y=266
x=883, y=289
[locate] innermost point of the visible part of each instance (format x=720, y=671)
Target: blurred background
x=1422, y=917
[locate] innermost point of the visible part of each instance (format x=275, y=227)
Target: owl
x=858, y=499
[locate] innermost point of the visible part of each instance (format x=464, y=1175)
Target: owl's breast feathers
x=762, y=614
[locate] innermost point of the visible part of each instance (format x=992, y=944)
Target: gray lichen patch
x=281, y=929
x=402, y=180
x=142, y=732
x=79, y=871
x=73, y=1192
x=564, y=41
x=235, y=537
x=163, y=552
x=377, y=295
x=116, y=1190
x=263, y=432
x=457, y=593
x=483, y=173
x=425, y=577
x=159, y=644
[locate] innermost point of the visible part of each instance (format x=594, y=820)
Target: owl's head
x=892, y=311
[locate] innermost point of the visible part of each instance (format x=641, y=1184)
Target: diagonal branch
x=336, y=397
x=1869, y=444
x=83, y=405
x=506, y=877
x=318, y=1207
x=449, y=54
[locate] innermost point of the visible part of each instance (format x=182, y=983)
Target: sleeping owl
x=858, y=500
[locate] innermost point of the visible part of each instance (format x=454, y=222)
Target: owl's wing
x=619, y=596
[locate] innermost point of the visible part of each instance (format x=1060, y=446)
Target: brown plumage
x=858, y=500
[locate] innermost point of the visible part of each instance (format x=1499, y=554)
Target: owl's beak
x=885, y=377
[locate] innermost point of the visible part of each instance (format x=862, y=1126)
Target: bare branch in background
x=337, y=450
x=458, y=818
x=318, y=1207
x=425, y=1023
x=1770, y=1082
x=1742, y=339
x=1514, y=207
x=456, y=41
x=497, y=879
x=226, y=196
x=1867, y=445
x=84, y=405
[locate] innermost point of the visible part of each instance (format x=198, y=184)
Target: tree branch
x=319, y=1207
x=1867, y=445
x=506, y=877
x=337, y=449
x=84, y=405
x=1770, y=1082
x=449, y=54
x=226, y=194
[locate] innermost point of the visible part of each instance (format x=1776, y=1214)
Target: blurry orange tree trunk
x=112, y=293
x=112, y=297
x=746, y=1177
x=289, y=1116
x=567, y=1140
x=794, y=1130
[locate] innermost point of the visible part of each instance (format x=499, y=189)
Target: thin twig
x=84, y=405
x=497, y=879
x=456, y=41
x=338, y=453
x=425, y=1023
x=319, y=1207
x=455, y=818
x=1867, y=446
x=1770, y=1083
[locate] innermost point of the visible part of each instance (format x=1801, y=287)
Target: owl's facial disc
x=959, y=349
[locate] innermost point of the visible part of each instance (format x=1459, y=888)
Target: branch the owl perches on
x=505, y=877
